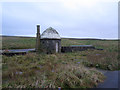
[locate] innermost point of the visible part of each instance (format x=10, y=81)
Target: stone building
x=50, y=41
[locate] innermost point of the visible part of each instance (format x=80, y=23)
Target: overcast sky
x=71, y=18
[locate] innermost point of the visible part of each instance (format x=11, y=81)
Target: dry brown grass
x=48, y=71
x=43, y=70
x=102, y=59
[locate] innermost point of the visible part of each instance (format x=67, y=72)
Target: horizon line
x=61, y=37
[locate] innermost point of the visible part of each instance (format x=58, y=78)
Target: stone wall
x=49, y=45
x=75, y=48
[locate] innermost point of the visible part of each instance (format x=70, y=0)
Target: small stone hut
x=50, y=41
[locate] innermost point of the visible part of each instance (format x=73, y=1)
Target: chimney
x=38, y=39
x=38, y=28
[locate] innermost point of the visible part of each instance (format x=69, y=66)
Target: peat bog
x=65, y=70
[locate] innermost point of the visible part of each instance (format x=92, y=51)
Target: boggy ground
x=58, y=70
x=48, y=71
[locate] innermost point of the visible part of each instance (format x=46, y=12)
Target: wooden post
x=38, y=39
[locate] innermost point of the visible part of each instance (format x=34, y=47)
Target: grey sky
x=73, y=18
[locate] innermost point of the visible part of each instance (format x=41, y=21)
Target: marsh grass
x=102, y=59
x=107, y=58
x=48, y=71
x=66, y=70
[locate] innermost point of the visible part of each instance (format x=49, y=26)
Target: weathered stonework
x=50, y=33
x=49, y=45
x=50, y=41
x=76, y=48
x=38, y=39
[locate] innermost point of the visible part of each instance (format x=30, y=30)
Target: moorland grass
x=18, y=42
x=106, y=59
x=29, y=42
x=48, y=71
x=101, y=59
x=57, y=70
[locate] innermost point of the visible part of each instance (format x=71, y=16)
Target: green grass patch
x=18, y=42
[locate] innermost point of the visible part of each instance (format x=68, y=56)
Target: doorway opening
x=56, y=47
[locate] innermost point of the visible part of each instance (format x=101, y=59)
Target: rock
x=109, y=67
x=97, y=65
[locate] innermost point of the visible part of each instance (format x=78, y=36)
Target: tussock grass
x=107, y=59
x=48, y=71
x=102, y=59
x=58, y=70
